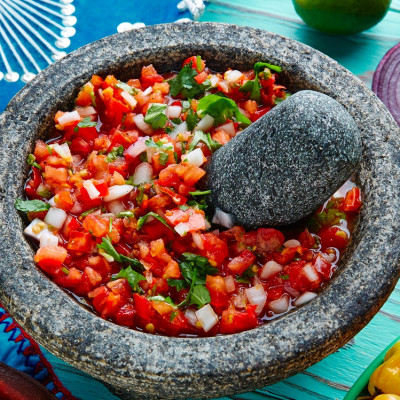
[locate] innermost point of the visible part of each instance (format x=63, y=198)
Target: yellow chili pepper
x=387, y=397
x=386, y=377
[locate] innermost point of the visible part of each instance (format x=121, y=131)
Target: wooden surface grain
x=332, y=377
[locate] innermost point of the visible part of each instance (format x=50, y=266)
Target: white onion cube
x=194, y=157
x=117, y=191
x=48, y=239
x=304, y=298
x=292, y=243
x=205, y=124
x=29, y=232
x=55, y=217
x=280, y=305
x=91, y=189
x=207, y=317
x=173, y=112
x=68, y=117
x=256, y=295
x=270, y=268
x=182, y=228
x=143, y=173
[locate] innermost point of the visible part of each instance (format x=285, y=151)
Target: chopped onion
x=77, y=208
x=240, y=300
x=52, y=201
x=197, y=240
x=224, y=85
x=195, y=157
x=207, y=317
x=347, y=186
x=143, y=173
x=230, y=283
x=55, y=217
x=290, y=290
x=244, y=112
x=223, y=218
x=229, y=128
x=48, y=239
x=256, y=295
x=147, y=91
x=232, y=76
x=91, y=189
x=117, y=191
x=63, y=151
x=137, y=148
x=29, y=230
x=86, y=111
x=130, y=100
x=205, y=124
x=68, y=117
x=280, y=305
x=214, y=80
x=292, y=243
x=143, y=126
x=304, y=298
x=270, y=268
x=182, y=228
x=191, y=316
x=386, y=82
x=116, y=206
x=331, y=257
x=310, y=273
x=178, y=129
x=173, y=111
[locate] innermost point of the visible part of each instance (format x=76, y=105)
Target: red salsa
x=121, y=220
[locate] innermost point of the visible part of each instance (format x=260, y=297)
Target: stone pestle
x=286, y=164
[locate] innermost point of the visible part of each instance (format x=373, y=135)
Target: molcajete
x=157, y=367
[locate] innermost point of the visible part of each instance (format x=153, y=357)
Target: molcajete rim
x=162, y=367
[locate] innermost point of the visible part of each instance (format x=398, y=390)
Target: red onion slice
x=386, y=81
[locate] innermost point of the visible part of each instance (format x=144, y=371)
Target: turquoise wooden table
x=332, y=377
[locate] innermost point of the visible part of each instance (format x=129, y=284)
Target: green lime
x=341, y=16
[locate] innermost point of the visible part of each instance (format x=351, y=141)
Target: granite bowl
x=140, y=365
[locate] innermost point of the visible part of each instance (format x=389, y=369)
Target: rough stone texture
x=287, y=163
x=156, y=367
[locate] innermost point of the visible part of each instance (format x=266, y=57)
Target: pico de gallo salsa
x=116, y=206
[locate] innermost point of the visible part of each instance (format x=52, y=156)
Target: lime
x=341, y=16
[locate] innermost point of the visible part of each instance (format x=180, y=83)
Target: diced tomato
x=323, y=267
x=243, y=261
x=200, y=78
x=233, y=321
x=56, y=174
x=64, y=200
x=50, y=258
x=125, y=315
x=333, y=237
x=80, y=242
x=80, y=146
x=71, y=280
x=41, y=151
x=214, y=248
x=352, y=201
x=143, y=307
x=196, y=63
x=176, y=198
x=99, y=298
x=218, y=291
x=307, y=240
x=119, y=165
x=269, y=239
x=121, y=287
x=287, y=254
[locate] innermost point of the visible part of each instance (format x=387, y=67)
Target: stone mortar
x=157, y=367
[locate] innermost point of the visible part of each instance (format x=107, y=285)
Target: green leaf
x=179, y=284
x=132, y=277
x=167, y=300
x=200, y=296
x=176, y=121
x=163, y=158
x=114, y=153
x=31, y=160
x=143, y=220
x=49, y=149
x=110, y=226
x=198, y=193
x=155, y=116
x=126, y=214
x=192, y=263
x=173, y=315
x=185, y=84
x=198, y=63
x=124, y=86
x=191, y=120
x=245, y=277
x=221, y=109
x=107, y=246
x=31, y=205
x=200, y=205
x=200, y=136
x=259, y=66
x=254, y=88
x=159, y=144
x=86, y=123
x=45, y=193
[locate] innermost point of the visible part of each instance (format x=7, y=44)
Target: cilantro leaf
x=245, y=277
x=163, y=158
x=185, y=84
x=159, y=144
x=31, y=160
x=179, y=284
x=31, y=205
x=132, y=277
x=254, y=88
x=155, y=115
x=195, y=263
x=221, y=109
x=200, y=296
x=143, y=220
x=200, y=136
x=124, y=86
x=259, y=66
x=191, y=120
x=86, y=123
x=114, y=153
x=107, y=246
x=167, y=300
